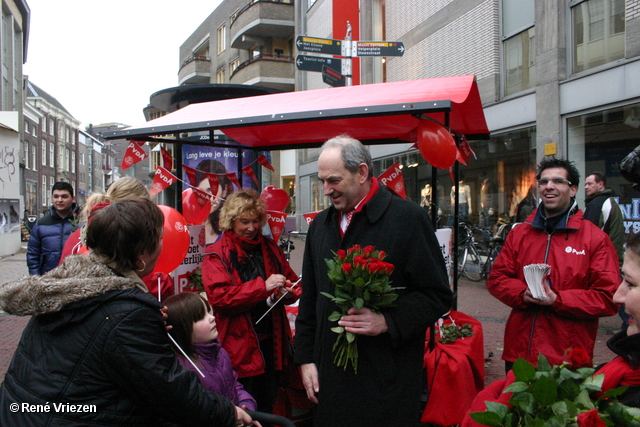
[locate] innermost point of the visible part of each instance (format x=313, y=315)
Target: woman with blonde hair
x=244, y=274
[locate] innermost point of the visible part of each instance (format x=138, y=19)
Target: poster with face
x=214, y=166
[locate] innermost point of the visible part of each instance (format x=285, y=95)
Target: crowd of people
x=108, y=337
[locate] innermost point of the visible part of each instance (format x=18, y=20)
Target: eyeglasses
x=555, y=181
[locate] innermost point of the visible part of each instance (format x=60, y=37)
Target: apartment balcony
x=195, y=70
x=266, y=70
x=259, y=20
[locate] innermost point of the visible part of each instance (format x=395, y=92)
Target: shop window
x=598, y=141
x=598, y=28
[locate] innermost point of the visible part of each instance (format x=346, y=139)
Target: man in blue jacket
x=51, y=231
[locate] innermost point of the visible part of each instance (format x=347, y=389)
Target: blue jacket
x=47, y=240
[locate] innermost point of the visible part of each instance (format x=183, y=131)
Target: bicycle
x=472, y=255
x=494, y=245
x=287, y=244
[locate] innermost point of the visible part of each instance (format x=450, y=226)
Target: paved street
x=474, y=300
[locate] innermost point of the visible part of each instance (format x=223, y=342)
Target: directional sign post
x=318, y=45
x=332, y=77
x=365, y=48
x=315, y=63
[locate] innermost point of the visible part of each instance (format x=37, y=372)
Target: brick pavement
x=474, y=300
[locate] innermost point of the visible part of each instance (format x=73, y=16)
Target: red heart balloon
x=276, y=198
x=436, y=144
x=193, y=212
x=175, y=241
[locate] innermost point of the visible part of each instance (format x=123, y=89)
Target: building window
x=73, y=162
x=34, y=157
x=26, y=156
x=45, y=200
x=51, y=154
x=52, y=181
x=26, y=127
x=220, y=76
x=233, y=65
x=67, y=160
x=222, y=38
x=52, y=129
x=518, y=36
x=598, y=28
x=44, y=153
x=44, y=124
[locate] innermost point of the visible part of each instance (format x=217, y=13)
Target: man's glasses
x=555, y=181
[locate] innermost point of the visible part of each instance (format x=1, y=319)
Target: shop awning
x=373, y=113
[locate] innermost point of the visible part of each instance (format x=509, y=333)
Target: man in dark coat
x=50, y=233
x=386, y=389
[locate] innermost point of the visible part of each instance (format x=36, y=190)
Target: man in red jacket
x=581, y=282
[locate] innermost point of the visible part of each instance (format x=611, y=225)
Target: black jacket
x=96, y=339
x=386, y=390
x=47, y=240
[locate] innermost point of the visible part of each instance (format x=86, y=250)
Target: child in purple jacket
x=194, y=330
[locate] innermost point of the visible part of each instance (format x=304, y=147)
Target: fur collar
x=78, y=278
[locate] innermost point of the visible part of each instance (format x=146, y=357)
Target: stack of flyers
x=534, y=274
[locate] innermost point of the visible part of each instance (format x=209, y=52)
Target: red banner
x=264, y=162
x=167, y=160
x=310, y=216
x=394, y=179
x=234, y=178
x=134, y=154
x=214, y=183
x=162, y=180
x=191, y=174
x=276, y=223
x=248, y=170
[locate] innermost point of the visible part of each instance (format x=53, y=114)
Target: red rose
x=367, y=251
x=382, y=254
x=359, y=261
x=342, y=254
x=578, y=358
x=373, y=267
x=590, y=419
x=388, y=268
x=346, y=267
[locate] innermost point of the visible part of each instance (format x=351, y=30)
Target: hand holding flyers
x=534, y=275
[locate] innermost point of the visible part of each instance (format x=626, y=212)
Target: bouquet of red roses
x=361, y=279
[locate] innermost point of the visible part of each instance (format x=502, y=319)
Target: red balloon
x=191, y=209
x=436, y=144
x=276, y=198
x=175, y=243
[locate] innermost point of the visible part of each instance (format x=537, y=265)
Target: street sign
x=361, y=48
x=318, y=45
x=332, y=77
x=315, y=63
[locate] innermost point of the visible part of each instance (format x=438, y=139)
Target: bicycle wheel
x=477, y=255
x=462, y=258
x=493, y=254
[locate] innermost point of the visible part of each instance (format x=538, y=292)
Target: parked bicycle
x=472, y=255
x=286, y=244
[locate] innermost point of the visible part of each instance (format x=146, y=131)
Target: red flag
x=191, y=175
x=162, y=180
x=214, y=183
x=310, y=216
x=453, y=179
x=465, y=150
x=249, y=171
x=201, y=196
x=276, y=223
x=264, y=162
x=134, y=154
x=167, y=160
x=460, y=158
x=394, y=179
x=234, y=178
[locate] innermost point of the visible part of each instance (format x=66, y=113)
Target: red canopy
x=373, y=113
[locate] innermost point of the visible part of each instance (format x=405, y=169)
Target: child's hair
x=185, y=309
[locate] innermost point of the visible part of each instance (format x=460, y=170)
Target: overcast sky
x=103, y=59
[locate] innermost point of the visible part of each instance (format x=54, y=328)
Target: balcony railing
x=261, y=57
x=195, y=58
x=239, y=12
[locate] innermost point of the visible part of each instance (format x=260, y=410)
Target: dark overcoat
x=387, y=387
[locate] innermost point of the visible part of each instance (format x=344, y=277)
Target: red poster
x=167, y=160
x=310, y=216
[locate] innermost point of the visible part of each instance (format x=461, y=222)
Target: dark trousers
x=264, y=387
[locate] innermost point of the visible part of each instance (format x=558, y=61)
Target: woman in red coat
x=244, y=274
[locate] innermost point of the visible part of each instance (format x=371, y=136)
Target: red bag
x=455, y=373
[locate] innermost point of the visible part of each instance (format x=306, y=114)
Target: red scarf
x=373, y=190
x=241, y=245
x=618, y=373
